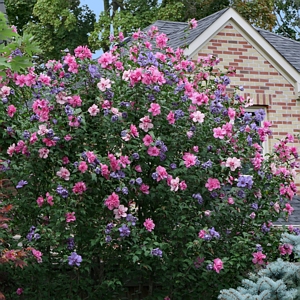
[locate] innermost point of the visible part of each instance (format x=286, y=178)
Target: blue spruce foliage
x=280, y=280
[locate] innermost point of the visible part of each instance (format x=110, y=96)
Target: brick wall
x=260, y=79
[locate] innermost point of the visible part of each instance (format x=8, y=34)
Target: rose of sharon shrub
x=132, y=169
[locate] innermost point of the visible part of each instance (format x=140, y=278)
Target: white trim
x=253, y=38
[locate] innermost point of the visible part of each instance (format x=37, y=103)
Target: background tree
x=55, y=24
x=288, y=18
x=124, y=15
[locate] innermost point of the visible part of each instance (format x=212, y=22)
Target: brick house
x=268, y=66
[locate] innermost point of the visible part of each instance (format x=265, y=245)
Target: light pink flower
x=233, y=163
x=43, y=152
x=276, y=207
x=149, y=224
x=174, y=184
x=120, y=212
x=197, y=116
x=112, y=201
x=252, y=215
x=70, y=217
x=11, y=150
x=93, y=110
x=104, y=84
x=212, y=184
x=218, y=265
x=146, y=123
x=63, y=173
x=193, y=23
x=154, y=109
x=258, y=258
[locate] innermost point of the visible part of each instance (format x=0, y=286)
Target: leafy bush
x=130, y=172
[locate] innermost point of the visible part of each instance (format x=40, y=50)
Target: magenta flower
x=189, y=159
x=153, y=151
x=218, y=265
x=37, y=254
x=154, y=109
x=19, y=291
x=144, y=188
x=171, y=117
x=82, y=167
x=258, y=258
x=112, y=201
x=212, y=184
x=162, y=173
x=183, y=185
x=288, y=208
x=79, y=187
x=219, y=133
x=202, y=234
x=11, y=110
x=40, y=201
x=70, y=217
x=286, y=249
x=147, y=140
x=149, y=224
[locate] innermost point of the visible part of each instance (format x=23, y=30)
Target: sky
x=96, y=6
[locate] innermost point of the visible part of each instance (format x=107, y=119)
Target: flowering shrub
x=139, y=168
